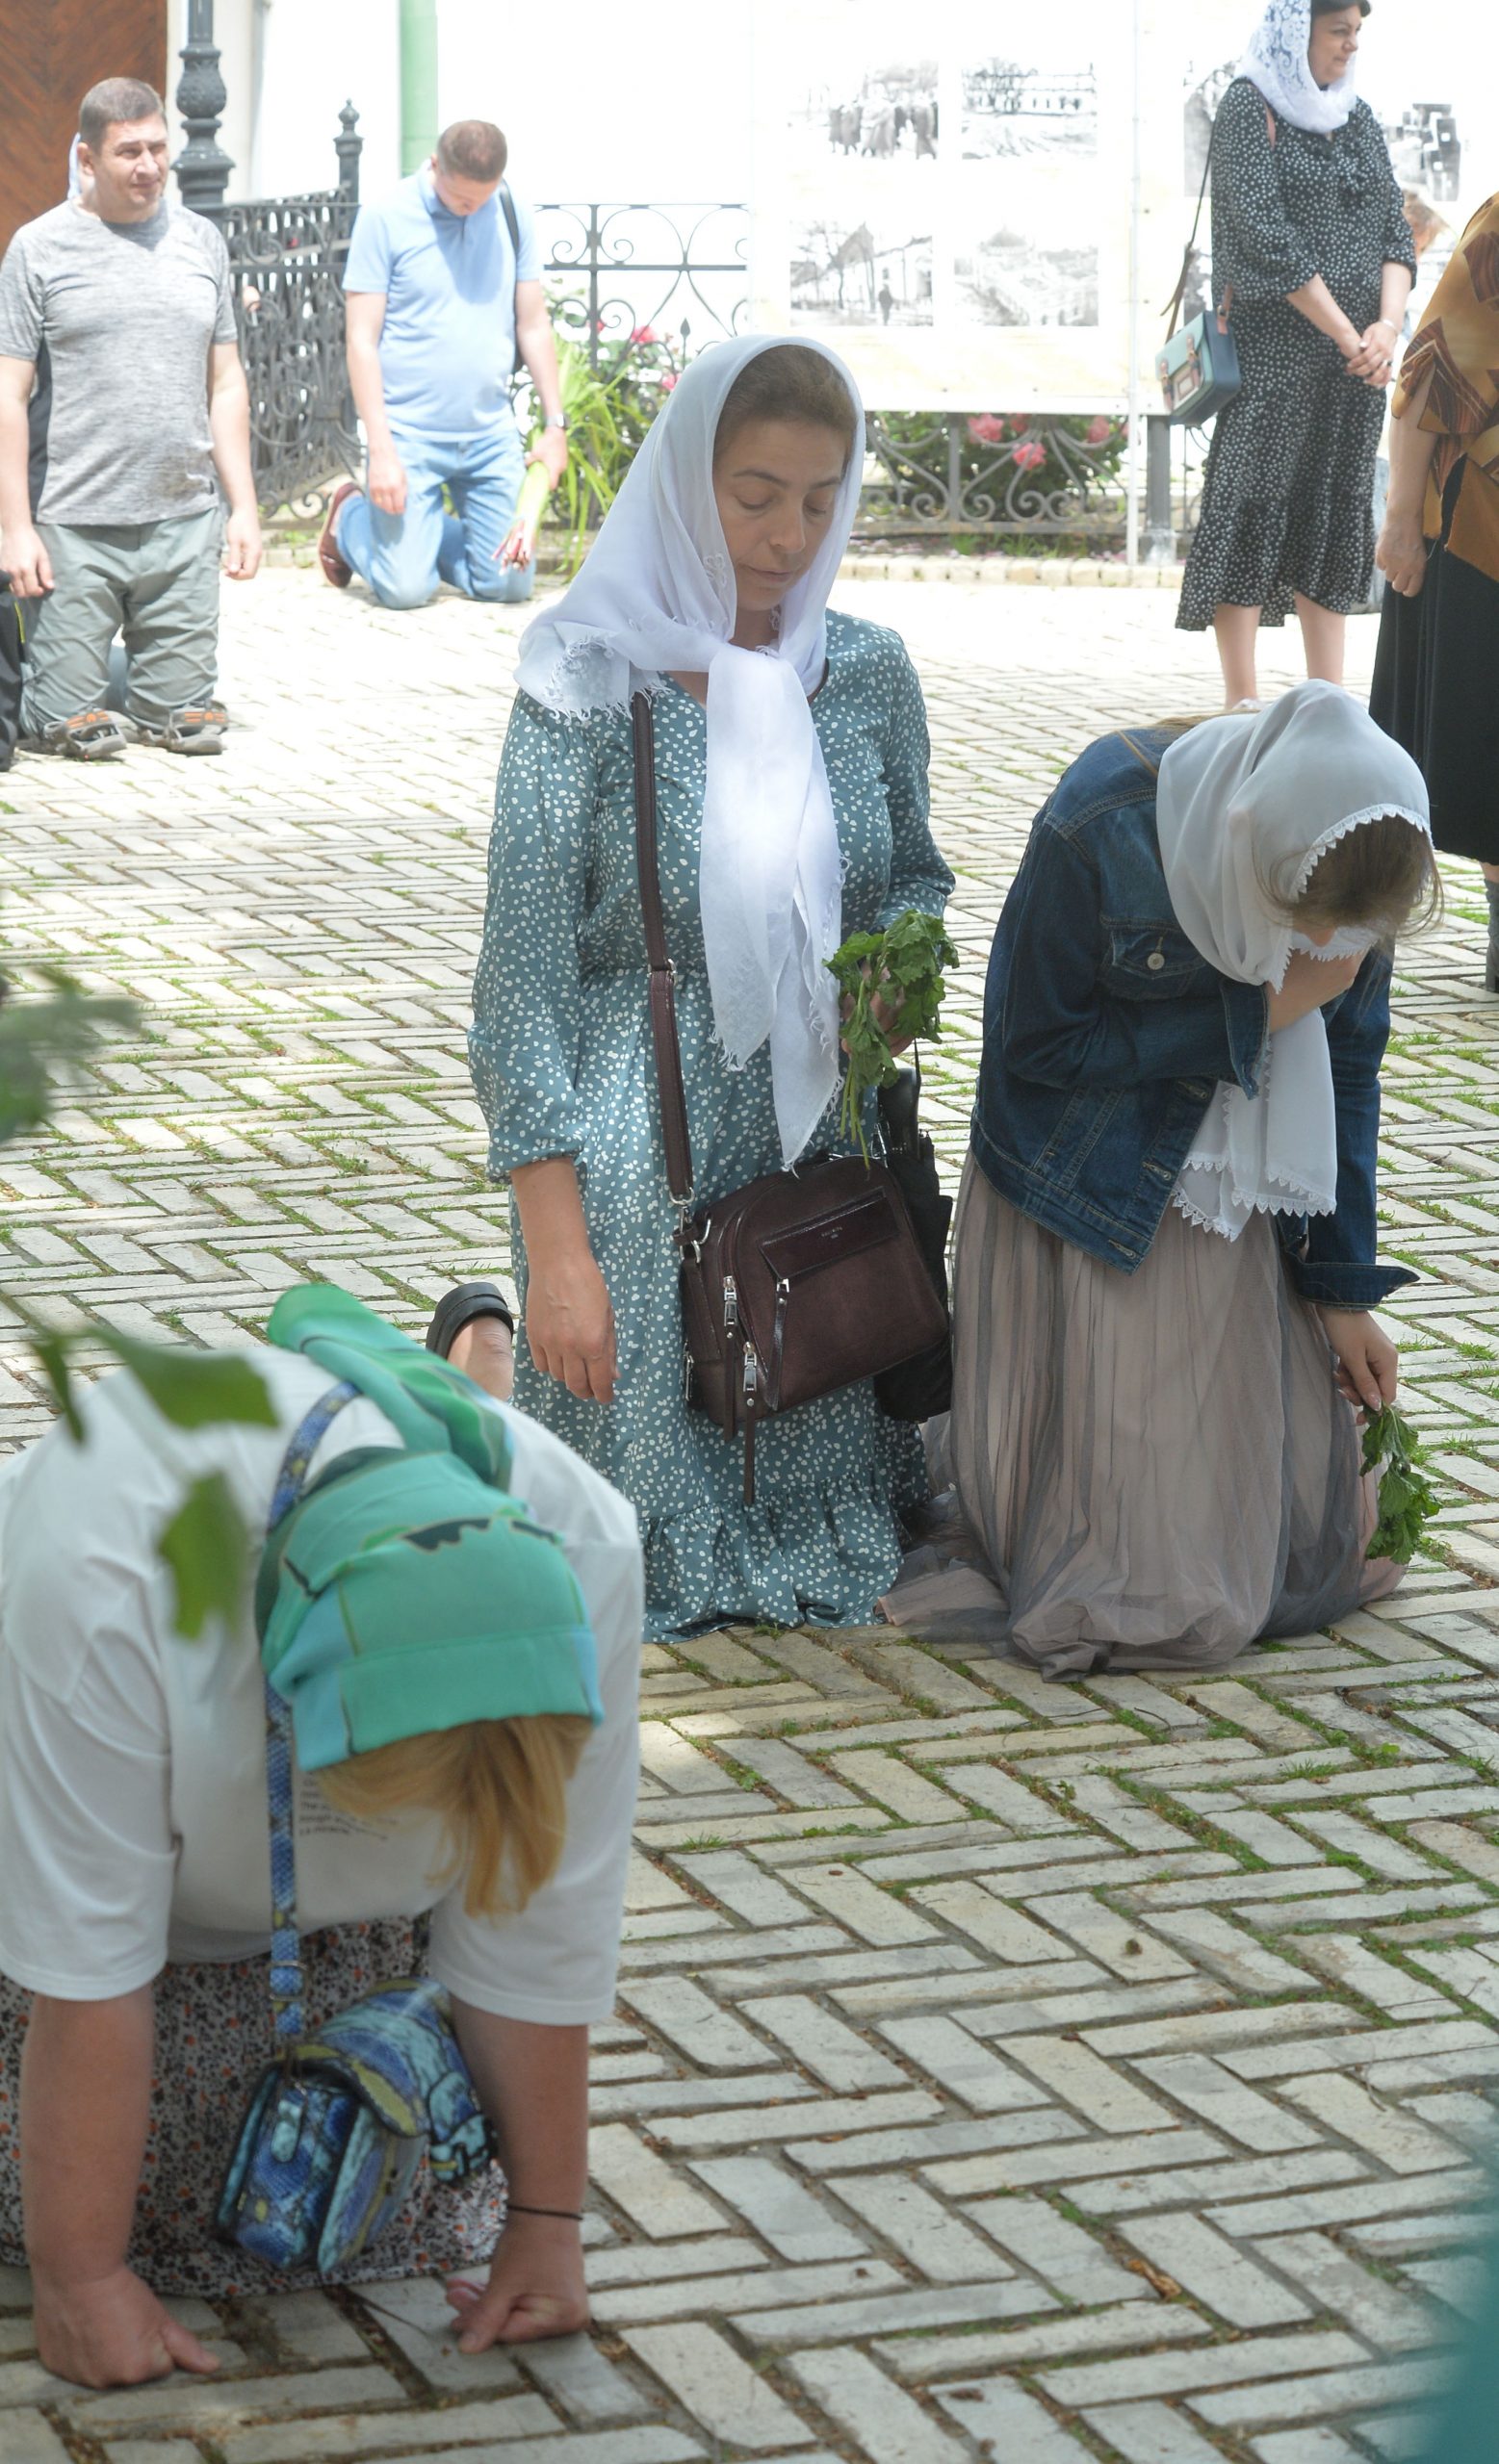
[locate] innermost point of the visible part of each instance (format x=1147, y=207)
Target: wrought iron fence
x=617, y=270
x=614, y=271
x=989, y=477
x=286, y=256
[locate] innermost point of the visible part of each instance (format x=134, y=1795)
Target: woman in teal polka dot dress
x=793, y=802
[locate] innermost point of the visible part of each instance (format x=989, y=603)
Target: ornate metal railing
x=945, y=475
x=288, y=255
x=615, y=270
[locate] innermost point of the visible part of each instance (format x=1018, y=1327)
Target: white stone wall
x=289, y=67
x=594, y=105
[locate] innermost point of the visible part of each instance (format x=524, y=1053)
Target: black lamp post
x=202, y=167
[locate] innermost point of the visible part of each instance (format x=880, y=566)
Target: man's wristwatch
x=557, y=419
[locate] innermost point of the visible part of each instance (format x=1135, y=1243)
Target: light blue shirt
x=447, y=343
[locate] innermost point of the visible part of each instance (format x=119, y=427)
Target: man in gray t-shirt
x=131, y=297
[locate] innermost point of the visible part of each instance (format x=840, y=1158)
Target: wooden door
x=53, y=51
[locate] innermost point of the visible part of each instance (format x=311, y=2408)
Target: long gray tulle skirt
x=1151, y=1470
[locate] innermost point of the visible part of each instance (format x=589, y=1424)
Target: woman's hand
x=1401, y=554
x=1366, y=1358
x=1374, y=353
x=535, y=2287
x=112, y=2332
x=1310, y=983
x=884, y=1017
x=570, y=1323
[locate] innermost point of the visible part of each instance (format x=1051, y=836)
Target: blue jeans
x=403, y=556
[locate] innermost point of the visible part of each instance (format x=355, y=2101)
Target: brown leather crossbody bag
x=799, y=1282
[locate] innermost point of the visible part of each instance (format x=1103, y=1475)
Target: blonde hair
x=500, y=1787
x=1381, y=874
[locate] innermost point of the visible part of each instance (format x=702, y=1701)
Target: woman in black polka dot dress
x=1309, y=236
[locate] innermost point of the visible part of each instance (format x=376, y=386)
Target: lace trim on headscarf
x=1340, y=829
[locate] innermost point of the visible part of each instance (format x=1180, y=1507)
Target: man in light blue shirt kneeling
x=443, y=291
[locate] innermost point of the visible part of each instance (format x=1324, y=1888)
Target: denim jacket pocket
x=1153, y=963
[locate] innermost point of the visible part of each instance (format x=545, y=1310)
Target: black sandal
x=459, y=1307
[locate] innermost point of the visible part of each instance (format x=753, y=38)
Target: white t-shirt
x=133, y=1825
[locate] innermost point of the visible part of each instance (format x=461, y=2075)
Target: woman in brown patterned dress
x=1439, y=653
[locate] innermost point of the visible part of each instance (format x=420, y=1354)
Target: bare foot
x=485, y=1351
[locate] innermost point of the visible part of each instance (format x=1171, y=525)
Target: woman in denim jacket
x=1165, y=1245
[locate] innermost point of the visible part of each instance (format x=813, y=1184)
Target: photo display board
x=978, y=206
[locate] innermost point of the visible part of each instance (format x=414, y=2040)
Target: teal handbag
x=1198, y=368
x=338, y=2122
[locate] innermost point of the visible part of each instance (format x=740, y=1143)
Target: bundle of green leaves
x=892, y=984
x=1406, y=1499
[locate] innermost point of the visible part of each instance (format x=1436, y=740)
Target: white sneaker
x=1248, y=704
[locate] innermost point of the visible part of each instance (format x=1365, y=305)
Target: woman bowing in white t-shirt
x=466, y=1758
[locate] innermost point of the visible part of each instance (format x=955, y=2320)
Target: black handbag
x=798, y=1283
x=916, y=1389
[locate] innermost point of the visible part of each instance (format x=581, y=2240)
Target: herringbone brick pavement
x=1001, y=2069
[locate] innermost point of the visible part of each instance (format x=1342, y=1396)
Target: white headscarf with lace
x=657, y=598
x=1246, y=806
x=1276, y=62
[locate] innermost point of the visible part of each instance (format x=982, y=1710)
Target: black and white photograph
x=862, y=91
x=872, y=273
x=1017, y=104
x=1007, y=277
x=1029, y=253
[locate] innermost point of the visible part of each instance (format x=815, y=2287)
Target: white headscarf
x=1240, y=803
x=1276, y=62
x=657, y=596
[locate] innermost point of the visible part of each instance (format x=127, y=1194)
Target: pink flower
x=1029, y=457
x=1100, y=430
x=987, y=430
x=1018, y=427
x=645, y=334
x=669, y=382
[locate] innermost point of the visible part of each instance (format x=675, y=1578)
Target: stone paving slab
x=1042, y=2072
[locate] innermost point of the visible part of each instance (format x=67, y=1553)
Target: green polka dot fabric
x=560, y=1053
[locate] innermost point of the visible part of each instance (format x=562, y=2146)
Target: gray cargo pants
x=156, y=582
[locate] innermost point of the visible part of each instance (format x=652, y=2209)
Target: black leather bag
x=799, y=1282
x=915, y=1389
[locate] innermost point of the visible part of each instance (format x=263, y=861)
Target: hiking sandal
x=186, y=731
x=93, y=735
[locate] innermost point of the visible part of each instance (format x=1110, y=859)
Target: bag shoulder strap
x=1174, y=303
x=512, y=223
x=665, y=1045
x=286, y=1961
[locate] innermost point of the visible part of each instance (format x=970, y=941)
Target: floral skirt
x=1151, y=1470
x=212, y=2033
